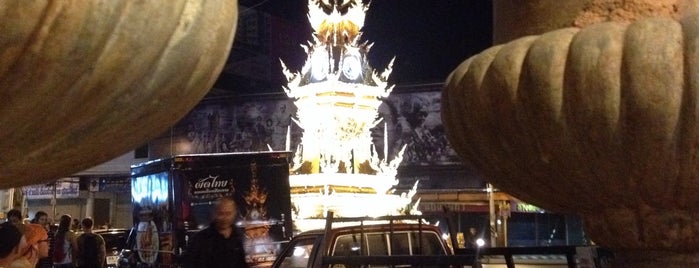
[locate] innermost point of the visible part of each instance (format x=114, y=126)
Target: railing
x=508, y=255
x=559, y=256
x=394, y=260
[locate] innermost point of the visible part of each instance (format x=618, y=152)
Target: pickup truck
x=384, y=240
x=408, y=241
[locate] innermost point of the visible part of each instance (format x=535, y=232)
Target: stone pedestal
x=82, y=82
x=513, y=18
x=594, y=112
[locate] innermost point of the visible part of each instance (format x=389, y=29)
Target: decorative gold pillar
x=591, y=107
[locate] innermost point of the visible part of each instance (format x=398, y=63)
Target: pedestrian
x=37, y=245
x=472, y=238
x=220, y=244
x=10, y=246
x=14, y=216
x=42, y=218
x=75, y=227
x=64, y=244
x=91, y=248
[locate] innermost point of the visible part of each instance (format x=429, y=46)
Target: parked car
x=114, y=240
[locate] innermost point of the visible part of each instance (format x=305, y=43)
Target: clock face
x=351, y=67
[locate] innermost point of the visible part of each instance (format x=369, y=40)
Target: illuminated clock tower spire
x=337, y=95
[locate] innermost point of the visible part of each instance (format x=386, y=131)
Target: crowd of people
x=37, y=243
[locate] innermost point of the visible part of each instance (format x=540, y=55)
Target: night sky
x=428, y=38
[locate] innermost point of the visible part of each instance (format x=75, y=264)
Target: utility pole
x=493, y=217
x=53, y=201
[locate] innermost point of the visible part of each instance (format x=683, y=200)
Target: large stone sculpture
x=600, y=118
x=82, y=82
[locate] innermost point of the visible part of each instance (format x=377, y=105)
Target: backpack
x=88, y=250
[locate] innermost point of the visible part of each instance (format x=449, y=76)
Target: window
x=431, y=244
x=347, y=245
x=377, y=244
x=400, y=244
x=389, y=244
x=300, y=254
x=384, y=244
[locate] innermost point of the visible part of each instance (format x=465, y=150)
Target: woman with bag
x=64, y=244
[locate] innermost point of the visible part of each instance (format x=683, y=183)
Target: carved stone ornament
x=82, y=82
x=600, y=120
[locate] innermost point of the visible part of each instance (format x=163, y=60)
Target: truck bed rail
x=414, y=260
x=559, y=256
x=508, y=255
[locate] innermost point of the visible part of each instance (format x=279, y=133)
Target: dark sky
x=428, y=38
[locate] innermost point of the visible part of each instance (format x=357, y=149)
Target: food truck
x=173, y=198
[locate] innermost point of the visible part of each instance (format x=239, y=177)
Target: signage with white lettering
x=65, y=188
x=115, y=185
x=203, y=190
x=211, y=184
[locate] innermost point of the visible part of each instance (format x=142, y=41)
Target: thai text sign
x=65, y=188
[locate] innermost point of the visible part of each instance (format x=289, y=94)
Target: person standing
x=220, y=244
x=64, y=244
x=10, y=248
x=42, y=218
x=14, y=216
x=37, y=245
x=75, y=227
x=472, y=238
x=91, y=249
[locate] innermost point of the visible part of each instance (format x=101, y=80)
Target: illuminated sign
x=150, y=189
x=210, y=187
x=211, y=184
x=524, y=207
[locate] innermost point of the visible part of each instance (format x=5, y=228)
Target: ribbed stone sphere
x=602, y=121
x=84, y=81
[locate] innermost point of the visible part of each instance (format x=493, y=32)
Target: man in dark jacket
x=92, y=252
x=220, y=244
